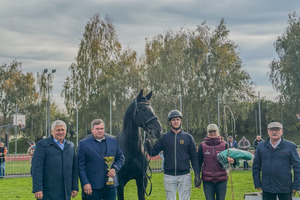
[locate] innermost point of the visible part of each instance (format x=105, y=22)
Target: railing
x=17, y=165
x=156, y=164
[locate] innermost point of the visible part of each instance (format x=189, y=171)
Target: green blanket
x=238, y=155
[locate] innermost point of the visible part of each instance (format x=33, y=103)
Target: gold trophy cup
x=109, y=161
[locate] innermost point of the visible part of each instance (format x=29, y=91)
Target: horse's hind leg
x=141, y=186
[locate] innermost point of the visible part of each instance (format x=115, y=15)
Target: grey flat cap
x=275, y=125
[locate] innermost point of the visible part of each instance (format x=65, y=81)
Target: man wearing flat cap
x=273, y=163
x=244, y=144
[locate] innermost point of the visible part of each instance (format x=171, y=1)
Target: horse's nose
x=157, y=133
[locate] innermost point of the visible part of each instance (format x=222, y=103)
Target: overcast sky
x=46, y=34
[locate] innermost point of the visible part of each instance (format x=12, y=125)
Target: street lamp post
x=48, y=101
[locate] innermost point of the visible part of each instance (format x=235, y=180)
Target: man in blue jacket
x=179, y=149
x=92, y=168
x=273, y=163
x=231, y=142
x=54, y=166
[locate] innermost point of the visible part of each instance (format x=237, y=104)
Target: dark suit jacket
x=91, y=166
x=54, y=171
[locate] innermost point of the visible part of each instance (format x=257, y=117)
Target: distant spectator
x=30, y=152
x=3, y=152
x=31, y=149
x=256, y=141
x=244, y=144
x=231, y=142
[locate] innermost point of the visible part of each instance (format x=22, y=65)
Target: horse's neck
x=132, y=136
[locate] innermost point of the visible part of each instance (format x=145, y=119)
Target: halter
x=144, y=124
x=146, y=129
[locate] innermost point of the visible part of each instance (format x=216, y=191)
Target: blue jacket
x=233, y=145
x=178, y=150
x=272, y=168
x=91, y=166
x=54, y=171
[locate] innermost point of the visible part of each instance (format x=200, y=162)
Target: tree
x=102, y=73
x=196, y=64
x=18, y=89
x=285, y=71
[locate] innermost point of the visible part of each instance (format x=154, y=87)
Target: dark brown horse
x=138, y=114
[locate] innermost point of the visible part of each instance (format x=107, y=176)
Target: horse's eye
x=143, y=108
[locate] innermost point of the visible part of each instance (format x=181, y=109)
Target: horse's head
x=144, y=115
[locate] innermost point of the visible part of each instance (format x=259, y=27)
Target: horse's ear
x=140, y=96
x=148, y=96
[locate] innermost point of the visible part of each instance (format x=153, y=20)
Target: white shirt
x=277, y=143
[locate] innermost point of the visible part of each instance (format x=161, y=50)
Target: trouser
x=182, y=183
x=105, y=193
x=215, y=191
x=2, y=169
x=246, y=165
x=281, y=196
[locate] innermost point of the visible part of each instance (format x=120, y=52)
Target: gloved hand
x=197, y=181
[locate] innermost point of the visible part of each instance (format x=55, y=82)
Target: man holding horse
x=93, y=166
x=178, y=148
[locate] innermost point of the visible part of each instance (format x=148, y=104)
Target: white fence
x=17, y=165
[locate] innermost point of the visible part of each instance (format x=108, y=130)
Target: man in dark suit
x=92, y=168
x=54, y=166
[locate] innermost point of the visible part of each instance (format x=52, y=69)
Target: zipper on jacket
x=214, y=162
x=175, y=154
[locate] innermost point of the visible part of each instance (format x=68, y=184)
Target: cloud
x=46, y=34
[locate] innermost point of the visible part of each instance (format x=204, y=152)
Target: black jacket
x=178, y=150
x=2, y=156
x=255, y=143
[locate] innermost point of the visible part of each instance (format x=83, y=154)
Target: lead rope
x=145, y=175
x=232, y=196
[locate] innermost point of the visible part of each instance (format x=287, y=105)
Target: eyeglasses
x=274, y=129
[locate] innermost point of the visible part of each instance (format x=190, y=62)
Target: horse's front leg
x=141, y=186
x=120, y=191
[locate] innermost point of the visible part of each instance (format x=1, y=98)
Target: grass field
x=20, y=188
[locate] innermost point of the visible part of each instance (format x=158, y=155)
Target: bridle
x=146, y=129
x=144, y=124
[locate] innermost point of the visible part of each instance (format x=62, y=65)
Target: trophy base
x=110, y=183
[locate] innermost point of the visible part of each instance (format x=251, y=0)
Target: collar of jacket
x=51, y=142
x=212, y=141
x=174, y=132
x=280, y=145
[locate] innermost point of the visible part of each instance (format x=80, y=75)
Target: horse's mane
x=130, y=110
x=128, y=113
